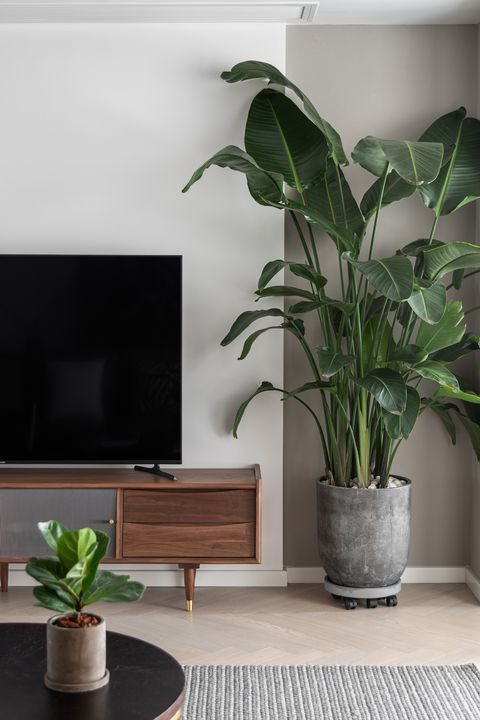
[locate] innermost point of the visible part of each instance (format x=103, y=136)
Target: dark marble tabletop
x=145, y=681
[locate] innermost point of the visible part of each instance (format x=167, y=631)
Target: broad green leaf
x=99, y=553
x=436, y=371
x=51, y=531
x=396, y=188
x=247, y=345
x=271, y=269
x=442, y=412
x=246, y=319
x=285, y=291
x=50, y=600
x=264, y=387
x=78, y=573
x=473, y=430
x=439, y=261
x=109, y=587
x=282, y=140
x=388, y=388
x=252, y=69
x=330, y=362
x=46, y=570
x=307, y=272
x=428, y=301
x=266, y=188
x=415, y=248
x=332, y=198
x=75, y=545
x=448, y=331
x=458, y=182
x=349, y=240
x=308, y=305
x=314, y=385
x=392, y=277
x=400, y=426
x=50, y=572
x=408, y=354
x=415, y=162
x=469, y=343
x=465, y=395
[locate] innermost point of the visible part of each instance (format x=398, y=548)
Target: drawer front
x=198, y=507
x=21, y=510
x=181, y=541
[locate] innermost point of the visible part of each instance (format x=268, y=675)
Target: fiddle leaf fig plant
x=71, y=580
x=378, y=346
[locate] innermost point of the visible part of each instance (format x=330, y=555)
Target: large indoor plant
x=393, y=325
x=70, y=582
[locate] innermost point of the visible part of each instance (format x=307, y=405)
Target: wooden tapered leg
x=189, y=573
x=4, y=576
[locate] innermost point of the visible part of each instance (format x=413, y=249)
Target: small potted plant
x=69, y=582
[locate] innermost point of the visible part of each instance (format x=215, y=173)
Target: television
x=90, y=359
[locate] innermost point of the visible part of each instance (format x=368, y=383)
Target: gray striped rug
x=311, y=692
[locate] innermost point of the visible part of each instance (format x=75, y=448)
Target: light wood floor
x=299, y=624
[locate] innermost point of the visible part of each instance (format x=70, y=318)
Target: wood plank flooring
x=432, y=624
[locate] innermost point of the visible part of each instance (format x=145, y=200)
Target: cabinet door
x=21, y=510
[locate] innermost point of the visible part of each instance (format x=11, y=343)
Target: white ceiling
x=329, y=12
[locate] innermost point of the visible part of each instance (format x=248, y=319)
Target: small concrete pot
x=76, y=657
x=363, y=534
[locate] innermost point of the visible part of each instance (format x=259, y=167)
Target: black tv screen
x=90, y=358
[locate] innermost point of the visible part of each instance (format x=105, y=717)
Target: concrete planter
x=76, y=657
x=363, y=535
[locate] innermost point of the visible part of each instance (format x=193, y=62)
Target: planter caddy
x=368, y=347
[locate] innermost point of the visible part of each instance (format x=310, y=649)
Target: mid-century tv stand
x=205, y=517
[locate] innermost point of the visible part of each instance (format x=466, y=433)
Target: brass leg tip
x=189, y=605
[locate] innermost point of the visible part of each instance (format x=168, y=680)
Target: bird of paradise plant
x=394, y=325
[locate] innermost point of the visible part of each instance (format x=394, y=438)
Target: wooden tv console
x=203, y=517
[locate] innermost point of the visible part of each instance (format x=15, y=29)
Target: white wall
x=100, y=127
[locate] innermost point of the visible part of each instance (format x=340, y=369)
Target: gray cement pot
x=76, y=657
x=363, y=535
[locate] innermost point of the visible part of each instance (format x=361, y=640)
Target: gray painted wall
x=474, y=558
x=390, y=82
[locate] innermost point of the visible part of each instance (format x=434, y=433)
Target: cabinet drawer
x=181, y=541
x=199, y=507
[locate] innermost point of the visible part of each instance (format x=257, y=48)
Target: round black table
x=146, y=683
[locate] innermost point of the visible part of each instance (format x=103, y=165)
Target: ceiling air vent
x=286, y=11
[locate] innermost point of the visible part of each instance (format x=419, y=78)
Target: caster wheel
x=372, y=603
x=391, y=601
x=336, y=597
x=350, y=603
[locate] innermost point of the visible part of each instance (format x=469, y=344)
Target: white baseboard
x=206, y=577
x=473, y=582
x=171, y=577
x=411, y=575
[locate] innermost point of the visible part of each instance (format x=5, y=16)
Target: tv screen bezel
x=5, y=462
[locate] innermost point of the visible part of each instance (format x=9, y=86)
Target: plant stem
x=377, y=211
x=472, y=309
